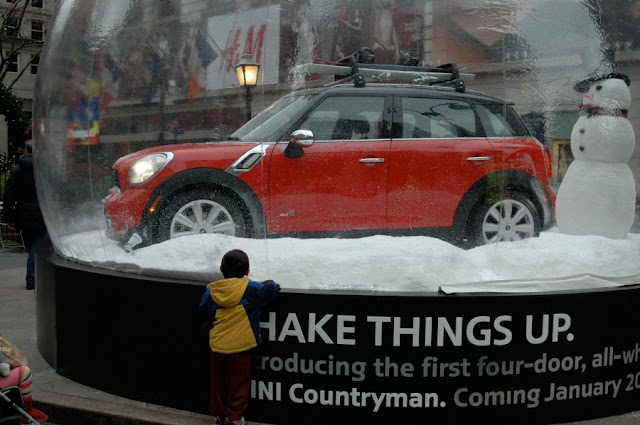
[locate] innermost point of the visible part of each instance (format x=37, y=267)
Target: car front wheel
x=199, y=212
x=513, y=218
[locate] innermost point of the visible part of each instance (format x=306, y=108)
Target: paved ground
x=70, y=403
x=66, y=401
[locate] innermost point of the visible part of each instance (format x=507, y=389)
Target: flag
x=151, y=67
x=110, y=75
x=201, y=56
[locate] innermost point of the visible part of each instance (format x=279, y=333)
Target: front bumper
x=123, y=212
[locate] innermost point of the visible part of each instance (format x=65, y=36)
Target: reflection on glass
x=141, y=129
x=267, y=124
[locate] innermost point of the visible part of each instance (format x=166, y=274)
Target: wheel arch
x=514, y=180
x=198, y=178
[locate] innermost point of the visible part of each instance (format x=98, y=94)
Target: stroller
x=11, y=407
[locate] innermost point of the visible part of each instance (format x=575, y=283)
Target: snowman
x=598, y=193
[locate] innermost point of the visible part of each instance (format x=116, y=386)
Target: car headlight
x=145, y=168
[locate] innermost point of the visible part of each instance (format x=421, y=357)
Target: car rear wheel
x=200, y=212
x=513, y=218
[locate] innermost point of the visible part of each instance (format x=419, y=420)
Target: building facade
x=511, y=47
x=24, y=24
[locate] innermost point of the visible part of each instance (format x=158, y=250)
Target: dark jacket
x=20, y=200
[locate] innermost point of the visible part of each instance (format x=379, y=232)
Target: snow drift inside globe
x=386, y=145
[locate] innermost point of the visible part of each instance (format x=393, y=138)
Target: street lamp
x=247, y=72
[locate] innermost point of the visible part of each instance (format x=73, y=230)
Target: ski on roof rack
x=361, y=64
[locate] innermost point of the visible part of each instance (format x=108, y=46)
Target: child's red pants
x=230, y=381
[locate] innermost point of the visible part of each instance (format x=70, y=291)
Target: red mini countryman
x=347, y=160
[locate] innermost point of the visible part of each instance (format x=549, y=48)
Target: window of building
x=12, y=61
x=34, y=3
x=37, y=31
x=11, y=27
x=35, y=62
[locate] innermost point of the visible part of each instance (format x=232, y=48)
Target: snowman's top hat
x=583, y=86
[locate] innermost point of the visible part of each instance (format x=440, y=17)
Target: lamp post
x=247, y=72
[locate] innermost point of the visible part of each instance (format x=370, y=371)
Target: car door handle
x=370, y=160
x=479, y=158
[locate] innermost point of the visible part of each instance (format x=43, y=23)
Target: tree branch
x=24, y=68
x=16, y=11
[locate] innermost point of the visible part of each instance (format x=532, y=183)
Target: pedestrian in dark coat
x=21, y=209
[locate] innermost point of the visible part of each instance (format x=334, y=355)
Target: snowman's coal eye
x=598, y=87
x=582, y=131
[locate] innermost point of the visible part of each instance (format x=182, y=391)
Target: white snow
x=554, y=261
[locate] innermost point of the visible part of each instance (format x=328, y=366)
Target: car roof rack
x=360, y=65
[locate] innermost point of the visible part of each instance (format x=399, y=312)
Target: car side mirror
x=303, y=138
x=299, y=139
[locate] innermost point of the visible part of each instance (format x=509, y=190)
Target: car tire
x=200, y=211
x=512, y=218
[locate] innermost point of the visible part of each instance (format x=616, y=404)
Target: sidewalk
x=65, y=401
x=69, y=403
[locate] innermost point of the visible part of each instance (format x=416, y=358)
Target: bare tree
x=13, y=40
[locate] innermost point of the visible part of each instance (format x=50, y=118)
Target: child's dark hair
x=235, y=263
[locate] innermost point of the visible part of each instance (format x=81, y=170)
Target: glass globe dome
x=378, y=140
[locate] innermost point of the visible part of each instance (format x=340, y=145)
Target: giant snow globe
x=465, y=169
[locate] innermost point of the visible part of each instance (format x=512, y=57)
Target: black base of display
x=123, y=333
x=373, y=357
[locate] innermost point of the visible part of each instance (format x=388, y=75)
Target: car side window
x=437, y=118
x=501, y=121
x=346, y=118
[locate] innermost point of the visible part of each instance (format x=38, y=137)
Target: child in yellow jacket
x=233, y=305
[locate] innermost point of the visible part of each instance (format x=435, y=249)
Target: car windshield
x=266, y=123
